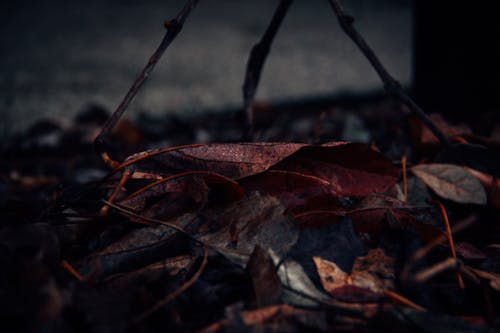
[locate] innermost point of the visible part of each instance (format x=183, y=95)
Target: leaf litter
x=299, y=231
x=299, y=237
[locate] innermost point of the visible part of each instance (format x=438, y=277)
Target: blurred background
x=58, y=57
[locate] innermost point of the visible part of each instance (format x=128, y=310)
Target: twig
x=405, y=178
x=425, y=250
x=450, y=239
x=255, y=64
x=392, y=86
x=402, y=300
x=173, y=28
x=177, y=292
x=123, y=179
x=70, y=269
x=129, y=213
x=442, y=266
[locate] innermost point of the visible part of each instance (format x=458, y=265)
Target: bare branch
x=390, y=84
x=255, y=64
x=173, y=27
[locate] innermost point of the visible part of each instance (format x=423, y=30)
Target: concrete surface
x=58, y=56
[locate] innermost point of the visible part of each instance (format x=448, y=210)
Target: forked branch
x=392, y=86
x=255, y=64
x=173, y=27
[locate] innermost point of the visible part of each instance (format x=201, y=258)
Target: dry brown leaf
x=331, y=275
x=373, y=273
x=451, y=182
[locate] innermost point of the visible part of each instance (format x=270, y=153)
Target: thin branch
x=255, y=64
x=425, y=250
x=450, y=239
x=442, y=266
x=173, y=27
x=391, y=85
x=402, y=300
x=70, y=269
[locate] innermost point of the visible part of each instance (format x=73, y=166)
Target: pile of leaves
x=342, y=218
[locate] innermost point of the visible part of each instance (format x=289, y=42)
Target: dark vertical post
x=457, y=58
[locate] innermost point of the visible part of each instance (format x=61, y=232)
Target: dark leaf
x=140, y=247
x=352, y=169
x=336, y=242
x=152, y=200
x=298, y=192
x=266, y=283
x=169, y=266
x=235, y=230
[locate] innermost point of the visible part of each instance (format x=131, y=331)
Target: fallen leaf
x=352, y=169
x=336, y=242
x=169, y=266
x=370, y=276
x=331, y=275
x=197, y=185
x=140, y=247
x=299, y=290
x=234, y=230
x=232, y=160
x=375, y=271
x=266, y=283
x=491, y=184
x=374, y=221
x=451, y=182
x=298, y=192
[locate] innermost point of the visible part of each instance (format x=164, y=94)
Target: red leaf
x=232, y=160
x=352, y=169
x=370, y=220
x=298, y=192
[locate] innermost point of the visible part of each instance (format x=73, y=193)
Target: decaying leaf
x=299, y=290
x=370, y=276
x=140, y=247
x=152, y=272
x=266, y=283
x=196, y=186
x=375, y=271
x=298, y=192
x=331, y=275
x=232, y=160
x=352, y=169
x=451, y=182
x=235, y=230
x=335, y=241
